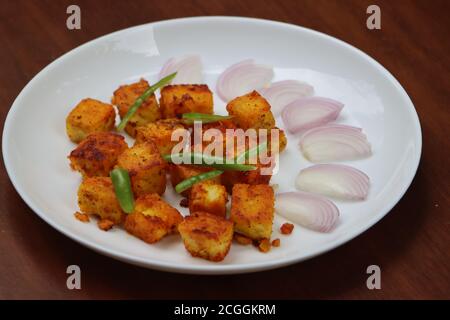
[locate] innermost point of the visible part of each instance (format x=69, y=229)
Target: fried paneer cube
x=96, y=196
x=181, y=172
x=252, y=210
x=89, y=116
x=146, y=167
x=97, y=154
x=184, y=98
x=206, y=235
x=208, y=197
x=148, y=112
x=251, y=111
x=152, y=219
x=160, y=132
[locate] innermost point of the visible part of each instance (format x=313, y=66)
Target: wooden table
x=411, y=244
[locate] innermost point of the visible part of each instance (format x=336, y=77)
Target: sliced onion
x=242, y=78
x=307, y=113
x=189, y=69
x=282, y=93
x=309, y=210
x=334, y=180
x=334, y=142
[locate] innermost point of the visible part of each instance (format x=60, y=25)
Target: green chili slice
x=190, y=118
x=189, y=182
x=211, y=161
x=140, y=100
x=122, y=187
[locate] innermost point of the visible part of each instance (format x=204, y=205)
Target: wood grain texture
x=411, y=244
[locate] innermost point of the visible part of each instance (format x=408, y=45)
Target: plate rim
x=213, y=268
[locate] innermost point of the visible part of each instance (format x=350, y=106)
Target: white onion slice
x=189, y=69
x=334, y=142
x=282, y=93
x=308, y=210
x=334, y=180
x=242, y=78
x=307, y=113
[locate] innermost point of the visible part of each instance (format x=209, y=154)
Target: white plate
x=35, y=144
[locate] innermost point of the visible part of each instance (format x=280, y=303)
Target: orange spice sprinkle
x=83, y=217
x=105, y=224
x=276, y=243
x=264, y=245
x=287, y=228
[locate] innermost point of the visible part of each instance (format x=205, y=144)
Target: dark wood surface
x=411, y=244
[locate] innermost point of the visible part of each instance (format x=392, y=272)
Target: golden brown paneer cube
x=152, y=219
x=181, y=172
x=96, y=196
x=251, y=111
x=160, y=132
x=184, y=98
x=89, y=116
x=252, y=210
x=125, y=96
x=206, y=235
x=146, y=167
x=97, y=154
x=208, y=197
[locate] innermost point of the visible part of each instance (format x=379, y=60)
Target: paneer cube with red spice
x=252, y=210
x=152, y=219
x=208, y=197
x=251, y=111
x=96, y=196
x=125, y=96
x=146, y=167
x=206, y=235
x=185, y=98
x=89, y=116
x=97, y=154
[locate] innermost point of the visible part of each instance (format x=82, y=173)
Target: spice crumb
x=264, y=245
x=276, y=243
x=105, y=224
x=83, y=217
x=287, y=228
